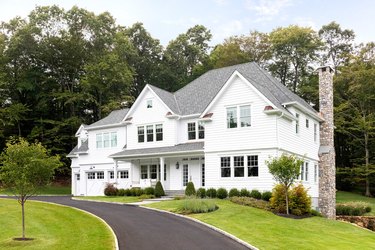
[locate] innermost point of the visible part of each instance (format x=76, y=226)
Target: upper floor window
x=200, y=130
x=150, y=132
x=149, y=129
x=106, y=140
x=239, y=115
x=149, y=104
x=315, y=132
x=159, y=132
x=232, y=117
x=297, y=123
x=141, y=134
x=245, y=118
x=191, y=131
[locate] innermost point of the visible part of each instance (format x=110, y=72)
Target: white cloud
x=231, y=28
x=220, y=2
x=267, y=8
x=306, y=22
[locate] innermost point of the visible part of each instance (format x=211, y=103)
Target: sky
x=166, y=19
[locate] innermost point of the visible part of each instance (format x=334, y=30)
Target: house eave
x=304, y=109
x=107, y=126
x=156, y=154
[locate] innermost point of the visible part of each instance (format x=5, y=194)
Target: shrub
x=222, y=193
x=315, y=213
x=277, y=200
x=266, y=196
x=244, y=192
x=194, y=205
x=146, y=196
x=190, y=189
x=149, y=190
x=159, y=190
x=135, y=191
x=201, y=193
x=353, y=208
x=234, y=192
x=255, y=194
x=248, y=201
x=211, y=193
x=128, y=192
x=121, y=192
x=110, y=190
x=299, y=199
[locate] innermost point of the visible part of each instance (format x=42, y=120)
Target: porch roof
x=177, y=149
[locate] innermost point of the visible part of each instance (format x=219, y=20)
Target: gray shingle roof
x=84, y=146
x=73, y=152
x=197, y=95
x=114, y=117
x=185, y=147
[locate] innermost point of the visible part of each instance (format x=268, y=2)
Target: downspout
x=277, y=132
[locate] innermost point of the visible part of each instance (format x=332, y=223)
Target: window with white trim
x=239, y=116
x=149, y=104
x=315, y=132
x=100, y=175
x=144, y=172
x=225, y=166
x=78, y=177
x=245, y=118
x=307, y=123
x=203, y=175
x=113, y=139
x=111, y=175
x=315, y=173
x=153, y=171
x=165, y=172
x=123, y=174
x=91, y=175
x=232, y=117
x=185, y=174
x=297, y=123
x=302, y=174
x=200, y=130
x=106, y=140
x=191, y=131
x=239, y=166
x=252, y=166
x=141, y=134
x=159, y=132
x=306, y=171
x=99, y=140
x=150, y=133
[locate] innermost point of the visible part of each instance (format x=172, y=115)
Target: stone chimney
x=327, y=171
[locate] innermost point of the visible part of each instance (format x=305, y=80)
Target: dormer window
x=297, y=123
x=149, y=104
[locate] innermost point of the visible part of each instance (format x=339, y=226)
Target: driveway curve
x=142, y=229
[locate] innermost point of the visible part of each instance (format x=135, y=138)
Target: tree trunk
x=19, y=128
x=23, y=218
x=287, y=200
x=367, y=155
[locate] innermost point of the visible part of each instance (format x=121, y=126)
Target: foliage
x=266, y=196
x=146, y=196
x=211, y=193
x=300, y=201
x=190, y=189
x=194, y=205
x=234, y=192
x=25, y=168
x=251, y=202
x=201, y=193
x=221, y=193
x=353, y=208
x=149, y=190
x=110, y=190
x=344, y=197
x=120, y=192
x=285, y=169
x=244, y=192
x=277, y=200
x=159, y=190
x=255, y=194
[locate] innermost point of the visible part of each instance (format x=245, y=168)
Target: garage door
x=95, y=183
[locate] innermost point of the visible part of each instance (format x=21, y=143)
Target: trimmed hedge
x=201, y=193
x=255, y=194
x=211, y=193
x=222, y=193
x=266, y=196
x=234, y=192
x=244, y=193
x=190, y=189
x=149, y=191
x=159, y=190
x=353, y=208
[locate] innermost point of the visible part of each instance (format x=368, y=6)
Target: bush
x=353, y=208
x=110, y=190
x=121, y=192
x=211, y=193
x=159, y=190
x=136, y=191
x=201, y=193
x=300, y=200
x=222, y=193
x=146, y=196
x=248, y=201
x=234, y=192
x=255, y=194
x=190, y=189
x=244, y=193
x=149, y=190
x=266, y=196
x=277, y=200
x=194, y=205
x=128, y=192
x=315, y=213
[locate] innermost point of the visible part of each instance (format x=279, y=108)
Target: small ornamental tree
x=24, y=169
x=285, y=169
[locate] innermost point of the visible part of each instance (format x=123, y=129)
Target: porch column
x=162, y=171
x=115, y=172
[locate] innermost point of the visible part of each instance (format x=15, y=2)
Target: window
x=306, y=171
x=159, y=132
x=113, y=139
x=307, y=123
x=297, y=123
x=200, y=130
x=245, y=118
x=302, y=175
x=165, y=172
x=203, y=175
x=225, y=166
x=111, y=175
x=99, y=141
x=239, y=169
x=185, y=174
x=144, y=174
x=252, y=165
x=315, y=132
x=123, y=174
x=315, y=173
x=78, y=177
x=150, y=132
x=106, y=140
x=100, y=175
x=149, y=104
x=153, y=172
x=141, y=134
x=91, y=175
x=232, y=117
x=191, y=131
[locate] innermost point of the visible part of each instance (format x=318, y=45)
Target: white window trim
x=102, y=140
x=232, y=167
x=238, y=112
x=153, y=134
x=196, y=131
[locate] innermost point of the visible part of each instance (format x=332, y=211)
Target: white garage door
x=95, y=183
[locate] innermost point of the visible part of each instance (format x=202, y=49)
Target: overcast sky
x=165, y=19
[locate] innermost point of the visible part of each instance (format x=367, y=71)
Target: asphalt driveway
x=142, y=229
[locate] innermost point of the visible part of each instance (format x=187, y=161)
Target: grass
x=52, y=227
x=268, y=231
x=121, y=199
x=342, y=196
x=48, y=190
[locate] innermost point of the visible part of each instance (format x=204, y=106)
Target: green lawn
x=121, y=199
x=49, y=190
x=268, y=231
x=52, y=226
x=342, y=196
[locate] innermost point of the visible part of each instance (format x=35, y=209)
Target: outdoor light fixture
x=177, y=165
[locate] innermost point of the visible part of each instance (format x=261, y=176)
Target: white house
x=217, y=131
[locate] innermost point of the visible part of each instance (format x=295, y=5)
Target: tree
x=285, y=169
x=25, y=168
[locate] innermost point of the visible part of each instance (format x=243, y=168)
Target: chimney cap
x=323, y=68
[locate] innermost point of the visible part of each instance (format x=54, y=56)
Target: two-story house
x=217, y=131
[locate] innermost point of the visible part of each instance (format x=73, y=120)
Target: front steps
x=173, y=193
